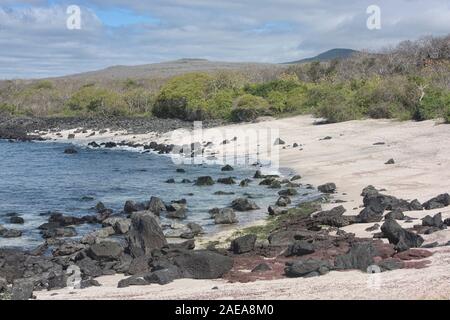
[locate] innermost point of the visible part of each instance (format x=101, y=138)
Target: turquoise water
x=36, y=178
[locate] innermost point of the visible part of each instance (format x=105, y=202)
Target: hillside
x=171, y=68
x=332, y=54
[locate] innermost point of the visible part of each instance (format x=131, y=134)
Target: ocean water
x=36, y=178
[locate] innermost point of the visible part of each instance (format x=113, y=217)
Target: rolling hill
x=338, y=53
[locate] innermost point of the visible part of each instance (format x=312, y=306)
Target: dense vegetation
x=411, y=81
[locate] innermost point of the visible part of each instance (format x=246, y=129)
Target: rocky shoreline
x=296, y=241
x=300, y=241
x=28, y=128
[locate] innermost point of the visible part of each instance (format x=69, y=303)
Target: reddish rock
x=413, y=254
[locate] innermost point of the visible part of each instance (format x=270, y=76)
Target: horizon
x=41, y=39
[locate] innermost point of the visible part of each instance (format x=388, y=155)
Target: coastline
x=353, y=159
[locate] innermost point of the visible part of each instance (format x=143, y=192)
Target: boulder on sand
x=401, y=238
x=360, y=256
x=105, y=251
x=435, y=221
x=22, y=289
x=243, y=244
x=202, y=264
x=327, y=188
x=441, y=201
x=145, y=234
x=306, y=268
x=299, y=248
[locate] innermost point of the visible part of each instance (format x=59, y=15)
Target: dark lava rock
x=105, y=251
x=180, y=170
x=288, y=192
x=283, y=201
x=334, y=217
x=300, y=248
x=435, y=221
x=327, y=188
x=245, y=183
x=22, y=289
x=140, y=265
x=223, y=193
x=403, y=239
x=70, y=150
x=176, y=211
x=16, y=220
x=170, y=180
x=244, y=204
x=395, y=215
x=110, y=145
x=63, y=220
x=243, y=244
x=278, y=141
x=202, y=264
x=132, y=281
x=227, y=168
x=228, y=180
x=303, y=268
x=258, y=175
x=415, y=205
x=296, y=177
x=225, y=216
x=145, y=234
x=163, y=276
x=390, y=161
x=204, y=181
x=276, y=211
x=360, y=256
x=90, y=267
x=10, y=233
x=440, y=201
x=262, y=267
x=391, y=264
x=131, y=206
x=63, y=232
x=156, y=205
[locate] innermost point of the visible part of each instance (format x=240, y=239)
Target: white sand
x=350, y=160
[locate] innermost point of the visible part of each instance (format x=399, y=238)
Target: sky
x=35, y=41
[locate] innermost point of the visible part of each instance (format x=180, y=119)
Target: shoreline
x=317, y=168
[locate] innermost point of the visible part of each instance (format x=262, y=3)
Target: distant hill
x=169, y=69
x=338, y=53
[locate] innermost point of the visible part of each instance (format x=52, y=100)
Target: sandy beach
x=352, y=156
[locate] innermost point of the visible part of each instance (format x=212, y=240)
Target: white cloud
x=34, y=41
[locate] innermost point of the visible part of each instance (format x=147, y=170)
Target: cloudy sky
x=35, y=41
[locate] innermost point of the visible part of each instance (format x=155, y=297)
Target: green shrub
x=248, y=108
x=93, y=100
x=433, y=105
x=447, y=114
x=183, y=97
x=221, y=104
x=8, y=109
x=43, y=85
x=264, y=89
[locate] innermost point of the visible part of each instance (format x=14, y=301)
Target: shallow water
x=36, y=178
